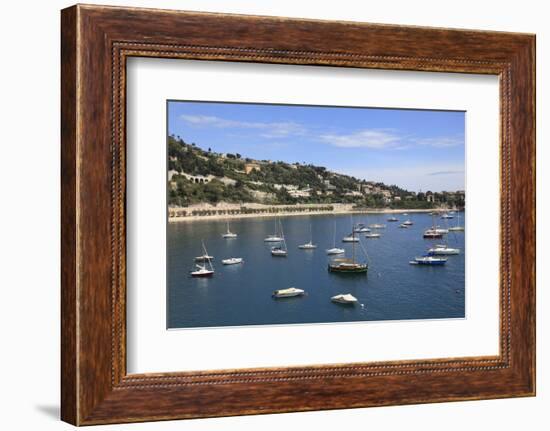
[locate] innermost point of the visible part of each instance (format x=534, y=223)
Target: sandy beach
x=339, y=209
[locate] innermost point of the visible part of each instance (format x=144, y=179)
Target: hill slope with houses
x=198, y=176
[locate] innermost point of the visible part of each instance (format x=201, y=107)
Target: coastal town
x=207, y=184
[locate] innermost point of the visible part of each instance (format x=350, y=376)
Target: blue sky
x=415, y=149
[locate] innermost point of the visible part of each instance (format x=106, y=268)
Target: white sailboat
x=334, y=249
x=457, y=228
x=309, y=245
x=280, y=250
x=205, y=270
x=275, y=237
x=229, y=234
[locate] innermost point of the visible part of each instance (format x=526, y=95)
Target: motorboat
x=429, y=260
x=232, y=261
x=377, y=226
x=345, y=298
x=373, y=235
x=288, y=293
x=350, y=238
x=442, y=249
x=336, y=250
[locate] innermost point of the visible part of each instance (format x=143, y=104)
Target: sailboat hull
x=348, y=269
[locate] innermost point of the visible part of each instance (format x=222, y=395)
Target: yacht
x=287, y=293
x=232, y=261
x=345, y=298
x=429, y=260
x=229, y=234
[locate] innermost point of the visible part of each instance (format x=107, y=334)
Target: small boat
x=435, y=232
x=205, y=270
x=232, y=260
x=334, y=249
x=408, y=223
x=309, y=245
x=392, y=219
x=405, y=214
x=403, y=226
x=373, y=235
x=361, y=228
x=229, y=234
x=442, y=249
x=350, y=238
x=429, y=260
x=347, y=266
x=202, y=271
x=204, y=258
x=288, y=293
x=345, y=298
x=274, y=237
x=432, y=234
x=447, y=216
x=377, y=226
x=457, y=228
x=280, y=250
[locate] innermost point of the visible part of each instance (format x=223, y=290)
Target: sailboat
x=351, y=237
x=348, y=266
x=229, y=234
x=275, y=237
x=457, y=228
x=206, y=269
x=434, y=232
x=309, y=245
x=334, y=249
x=443, y=249
x=280, y=250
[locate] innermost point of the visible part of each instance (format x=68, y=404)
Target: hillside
x=197, y=176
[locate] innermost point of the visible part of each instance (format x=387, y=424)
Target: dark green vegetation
x=204, y=176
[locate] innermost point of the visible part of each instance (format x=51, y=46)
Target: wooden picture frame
x=95, y=42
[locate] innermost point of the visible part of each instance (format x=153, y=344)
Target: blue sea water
x=240, y=295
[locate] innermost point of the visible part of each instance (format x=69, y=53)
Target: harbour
x=241, y=293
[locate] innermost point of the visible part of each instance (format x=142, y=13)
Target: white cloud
x=267, y=130
x=367, y=138
x=441, y=142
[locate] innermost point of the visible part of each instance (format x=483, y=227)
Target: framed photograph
x=265, y=215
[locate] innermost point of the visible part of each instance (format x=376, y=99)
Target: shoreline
x=217, y=217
